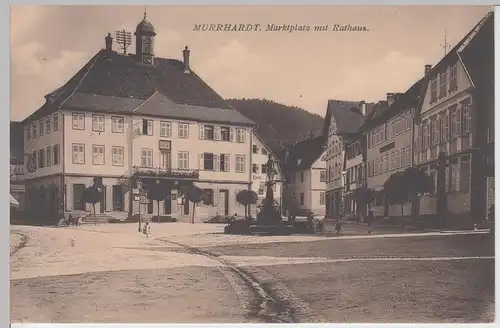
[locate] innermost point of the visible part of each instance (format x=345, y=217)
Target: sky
x=51, y=43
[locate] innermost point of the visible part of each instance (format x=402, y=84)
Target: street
x=193, y=273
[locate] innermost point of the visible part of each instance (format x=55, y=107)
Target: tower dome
x=145, y=27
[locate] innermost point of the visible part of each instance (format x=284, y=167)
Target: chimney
x=362, y=107
x=185, y=53
x=109, y=42
x=390, y=98
x=427, y=69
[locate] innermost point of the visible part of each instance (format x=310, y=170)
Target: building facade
x=132, y=120
x=455, y=119
x=17, y=187
x=342, y=121
x=305, y=166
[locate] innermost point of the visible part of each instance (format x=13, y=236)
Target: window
x=98, y=154
x=408, y=155
x=323, y=158
x=33, y=130
x=466, y=116
x=42, y=124
x=395, y=162
x=255, y=168
x=465, y=174
x=55, y=121
x=255, y=149
x=301, y=196
x=49, y=156
x=207, y=132
x=208, y=161
x=240, y=135
x=301, y=176
x=209, y=197
x=225, y=133
x=117, y=155
x=183, y=160
x=183, y=130
x=147, y=127
x=78, y=121
x=56, y=154
x=48, y=124
x=263, y=168
x=443, y=81
x=453, y=78
x=264, y=152
x=33, y=159
x=322, y=176
x=146, y=157
x=165, y=129
x=322, y=198
x=443, y=118
x=224, y=162
x=117, y=124
x=456, y=123
x=435, y=131
x=28, y=132
x=386, y=162
x=78, y=153
x=240, y=163
x=41, y=158
x=433, y=90
x=426, y=140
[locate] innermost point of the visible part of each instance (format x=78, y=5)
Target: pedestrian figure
x=147, y=229
x=369, y=220
x=338, y=226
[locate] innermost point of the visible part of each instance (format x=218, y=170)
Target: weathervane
x=124, y=39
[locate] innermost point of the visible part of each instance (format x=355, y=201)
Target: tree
x=92, y=195
x=404, y=186
x=156, y=192
x=194, y=194
x=247, y=198
x=363, y=196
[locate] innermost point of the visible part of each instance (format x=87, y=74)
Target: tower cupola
x=144, y=40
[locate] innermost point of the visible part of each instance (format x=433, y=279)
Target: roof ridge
x=96, y=56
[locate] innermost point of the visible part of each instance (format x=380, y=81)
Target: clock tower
x=144, y=41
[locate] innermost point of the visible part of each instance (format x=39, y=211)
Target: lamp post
x=139, y=186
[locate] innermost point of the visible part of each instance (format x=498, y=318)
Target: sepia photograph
x=252, y=164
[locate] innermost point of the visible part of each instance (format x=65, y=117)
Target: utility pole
x=445, y=45
x=124, y=39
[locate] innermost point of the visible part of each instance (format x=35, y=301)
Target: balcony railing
x=160, y=172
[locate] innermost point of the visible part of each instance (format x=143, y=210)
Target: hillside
x=277, y=122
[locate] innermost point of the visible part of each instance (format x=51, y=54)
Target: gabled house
x=305, y=170
x=342, y=122
x=137, y=117
x=456, y=112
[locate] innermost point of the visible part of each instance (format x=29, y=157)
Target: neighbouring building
x=259, y=158
x=305, y=171
x=129, y=119
x=17, y=188
x=456, y=118
x=388, y=132
x=342, y=122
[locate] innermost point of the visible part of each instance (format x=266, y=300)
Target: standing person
x=369, y=220
x=338, y=226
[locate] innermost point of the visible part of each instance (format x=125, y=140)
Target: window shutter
x=202, y=132
x=231, y=134
x=226, y=162
x=216, y=162
x=243, y=136
x=217, y=133
x=201, y=163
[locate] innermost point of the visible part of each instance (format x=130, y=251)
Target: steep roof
x=115, y=75
x=347, y=115
x=16, y=142
x=308, y=151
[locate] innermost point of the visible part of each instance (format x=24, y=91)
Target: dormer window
x=433, y=90
x=453, y=78
x=443, y=82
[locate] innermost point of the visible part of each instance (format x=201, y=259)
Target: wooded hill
x=277, y=122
